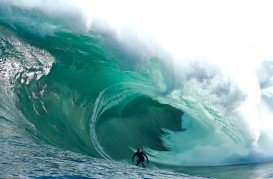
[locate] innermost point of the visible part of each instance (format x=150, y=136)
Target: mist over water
x=185, y=80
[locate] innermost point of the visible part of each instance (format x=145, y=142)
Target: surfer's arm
x=146, y=157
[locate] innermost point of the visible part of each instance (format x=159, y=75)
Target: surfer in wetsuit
x=140, y=155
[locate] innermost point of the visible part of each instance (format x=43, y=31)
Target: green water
x=60, y=104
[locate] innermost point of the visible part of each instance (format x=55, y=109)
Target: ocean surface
x=79, y=96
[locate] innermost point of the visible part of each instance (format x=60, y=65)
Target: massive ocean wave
x=87, y=83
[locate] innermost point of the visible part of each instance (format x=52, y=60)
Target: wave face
x=85, y=85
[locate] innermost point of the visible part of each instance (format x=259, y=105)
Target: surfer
x=140, y=155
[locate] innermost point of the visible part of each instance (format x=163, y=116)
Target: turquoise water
x=78, y=103
x=50, y=115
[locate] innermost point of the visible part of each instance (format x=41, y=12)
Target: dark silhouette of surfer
x=140, y=155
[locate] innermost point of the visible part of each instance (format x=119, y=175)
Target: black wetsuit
x=140, y=156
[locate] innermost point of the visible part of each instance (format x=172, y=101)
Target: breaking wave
x=78, y=82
